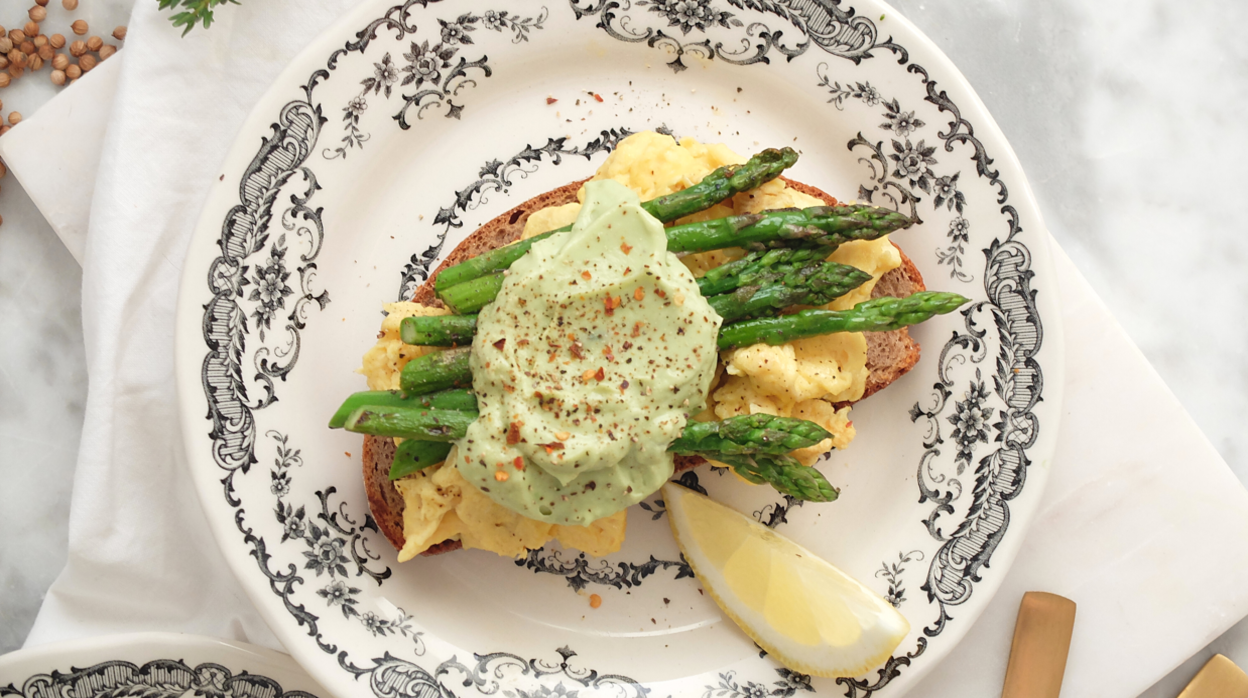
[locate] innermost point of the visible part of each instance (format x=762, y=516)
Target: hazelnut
x=37, y=14
x=87, y=62
x=17, y=35
x=28, y=47
x=15, y=118
x=4, y=62
x=31, y=29
x=79, y=26
x=6, y=45
x=58, y=77
x=95, y=43
x=41, y=3
x=119, y=33
x=19, y=59
x=60, y=61
x=46, y=52
x=35, y=63
x=16, y=71
x=107, y=50
x=4, y=79
x=77, y=48
x=69, y=4
x=57, y=41
x=73, y=72
x=40, y=41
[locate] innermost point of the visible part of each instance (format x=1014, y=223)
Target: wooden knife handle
x=1041, y=643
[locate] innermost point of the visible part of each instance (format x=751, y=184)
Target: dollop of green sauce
x=587, y=366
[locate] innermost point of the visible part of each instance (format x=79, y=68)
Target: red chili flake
x=623, y=386
x=519, y=463
x=586, y=275
x=628, y=345
x=500, y=344
x=601, y=374
x=501, y=476
x=660, y=293
x=625, y=247
x=597, y=96
x=607, y=353
x=577, y=350
x=588, y=375
x=513, y=434
x=509, y=388
x=522, y=342
x=611, y=303
x=551, y=100
x=637, y=329
x=639, y=294
x=552, y=447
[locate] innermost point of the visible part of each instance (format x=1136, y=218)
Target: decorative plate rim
x=163, y=664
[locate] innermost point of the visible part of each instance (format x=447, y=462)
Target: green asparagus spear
x=814, y=285
x=471, y=296
x=412, y=456
x=758, y=268
x=409, y=423
x=784, y=473
x=818, y=226
x=439, y=330
x=436, y=371
x=754, y=433
x=875, y=315
x=715, y=187
x=445, y=400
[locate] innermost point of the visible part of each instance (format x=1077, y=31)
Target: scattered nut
x=19, y=59
x=31, y=30
x=17, y=35
x=6, y=45
x=28, y=47
x=77, y=48
x=46, y=52
x=4, y=62
x=15, y=118
x=73, y=72
x=58, y=77
x=4, y=79
x=87, y=62
x=119, y=33
x=41, y=3
x=15, y=71
x=57, y=40
x=35, y=63
x=95, y=43
x=79, y=26
x=69, y=4
x=60, y=61
x=40, y=41
x=107, y=50
x=37, y=14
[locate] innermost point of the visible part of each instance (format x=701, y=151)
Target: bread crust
x=889, y=354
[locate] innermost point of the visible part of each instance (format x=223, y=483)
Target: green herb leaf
x=195, y=12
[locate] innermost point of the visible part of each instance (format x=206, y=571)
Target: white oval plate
x=153, y=665
x=395, y=134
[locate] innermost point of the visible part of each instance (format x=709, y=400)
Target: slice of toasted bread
x=889, y=354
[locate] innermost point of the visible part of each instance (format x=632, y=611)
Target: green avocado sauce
x=586, y=366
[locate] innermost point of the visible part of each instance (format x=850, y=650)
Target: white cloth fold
x=1143, y=525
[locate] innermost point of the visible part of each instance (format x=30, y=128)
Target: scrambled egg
x=441, y=505
x=800, y=379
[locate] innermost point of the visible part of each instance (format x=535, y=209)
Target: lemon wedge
x=810, y=616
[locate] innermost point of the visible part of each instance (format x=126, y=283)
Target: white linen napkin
x=1142, y=524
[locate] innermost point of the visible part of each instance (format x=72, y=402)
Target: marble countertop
x=1116, y=111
